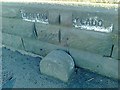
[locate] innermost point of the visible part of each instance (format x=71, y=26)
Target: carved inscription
x=34, y=17
x=94, y=24
x=89, y=21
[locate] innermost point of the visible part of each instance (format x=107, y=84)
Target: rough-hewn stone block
x=57, y=64
x=48, y=33
x=94, y=42
x=10, y=12
x=115, y=50
x=38, y=47
x=54, y=17
x=0, y=37
x=12, y=40
x=17, y=27
x=87, y=60
x=103, y=65
x=115, y=53
x=66, y=18
x=105, y=19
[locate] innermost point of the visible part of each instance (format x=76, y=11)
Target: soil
x=23, y=71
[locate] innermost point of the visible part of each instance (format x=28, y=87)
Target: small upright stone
x=66, y=18
x=57, y=64
x=53, y=17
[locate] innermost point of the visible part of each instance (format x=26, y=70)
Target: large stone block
x=54, y=17
x=38, y=47
x=116, y=50
x=48, y=33
x=0, y=37
x=12, y=41
x=15, y=10
x=57, y=64
x=17, y=27
x=115, y=53
x=94, y=62
x=10, y=12
x=96, y=19
x=66, y=18
x=94, y=42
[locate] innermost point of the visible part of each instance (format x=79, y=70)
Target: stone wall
x=89, y=34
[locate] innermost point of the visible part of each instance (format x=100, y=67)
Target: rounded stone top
x=57, y=64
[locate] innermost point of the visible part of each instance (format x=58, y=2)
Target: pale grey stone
x=115, y=52
x=57, y=64
x=17, y=27
x=53, y=17
x=12, y=41
x=66, y=18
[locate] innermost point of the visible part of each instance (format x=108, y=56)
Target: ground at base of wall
x=22, y=71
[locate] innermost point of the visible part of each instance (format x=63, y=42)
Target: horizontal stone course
x=108, y=15
x=94, y=42
x=91, y=41
x=96, y=63
x=38, y=47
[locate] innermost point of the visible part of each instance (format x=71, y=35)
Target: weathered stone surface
x=48, y=33
x=53, y=17
x=57, y=64
x=12, y=40
x=66, y=18
x=84, y=59
x=107, y=14
x=116, y=50
x=87, y=60
x=89, y=41
x=0, y=38
x=94, y=42
x=103, y=19
x=115, y=53
x=38, y=47
x=17, y=27
x=11, y=12
x=102, y=65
